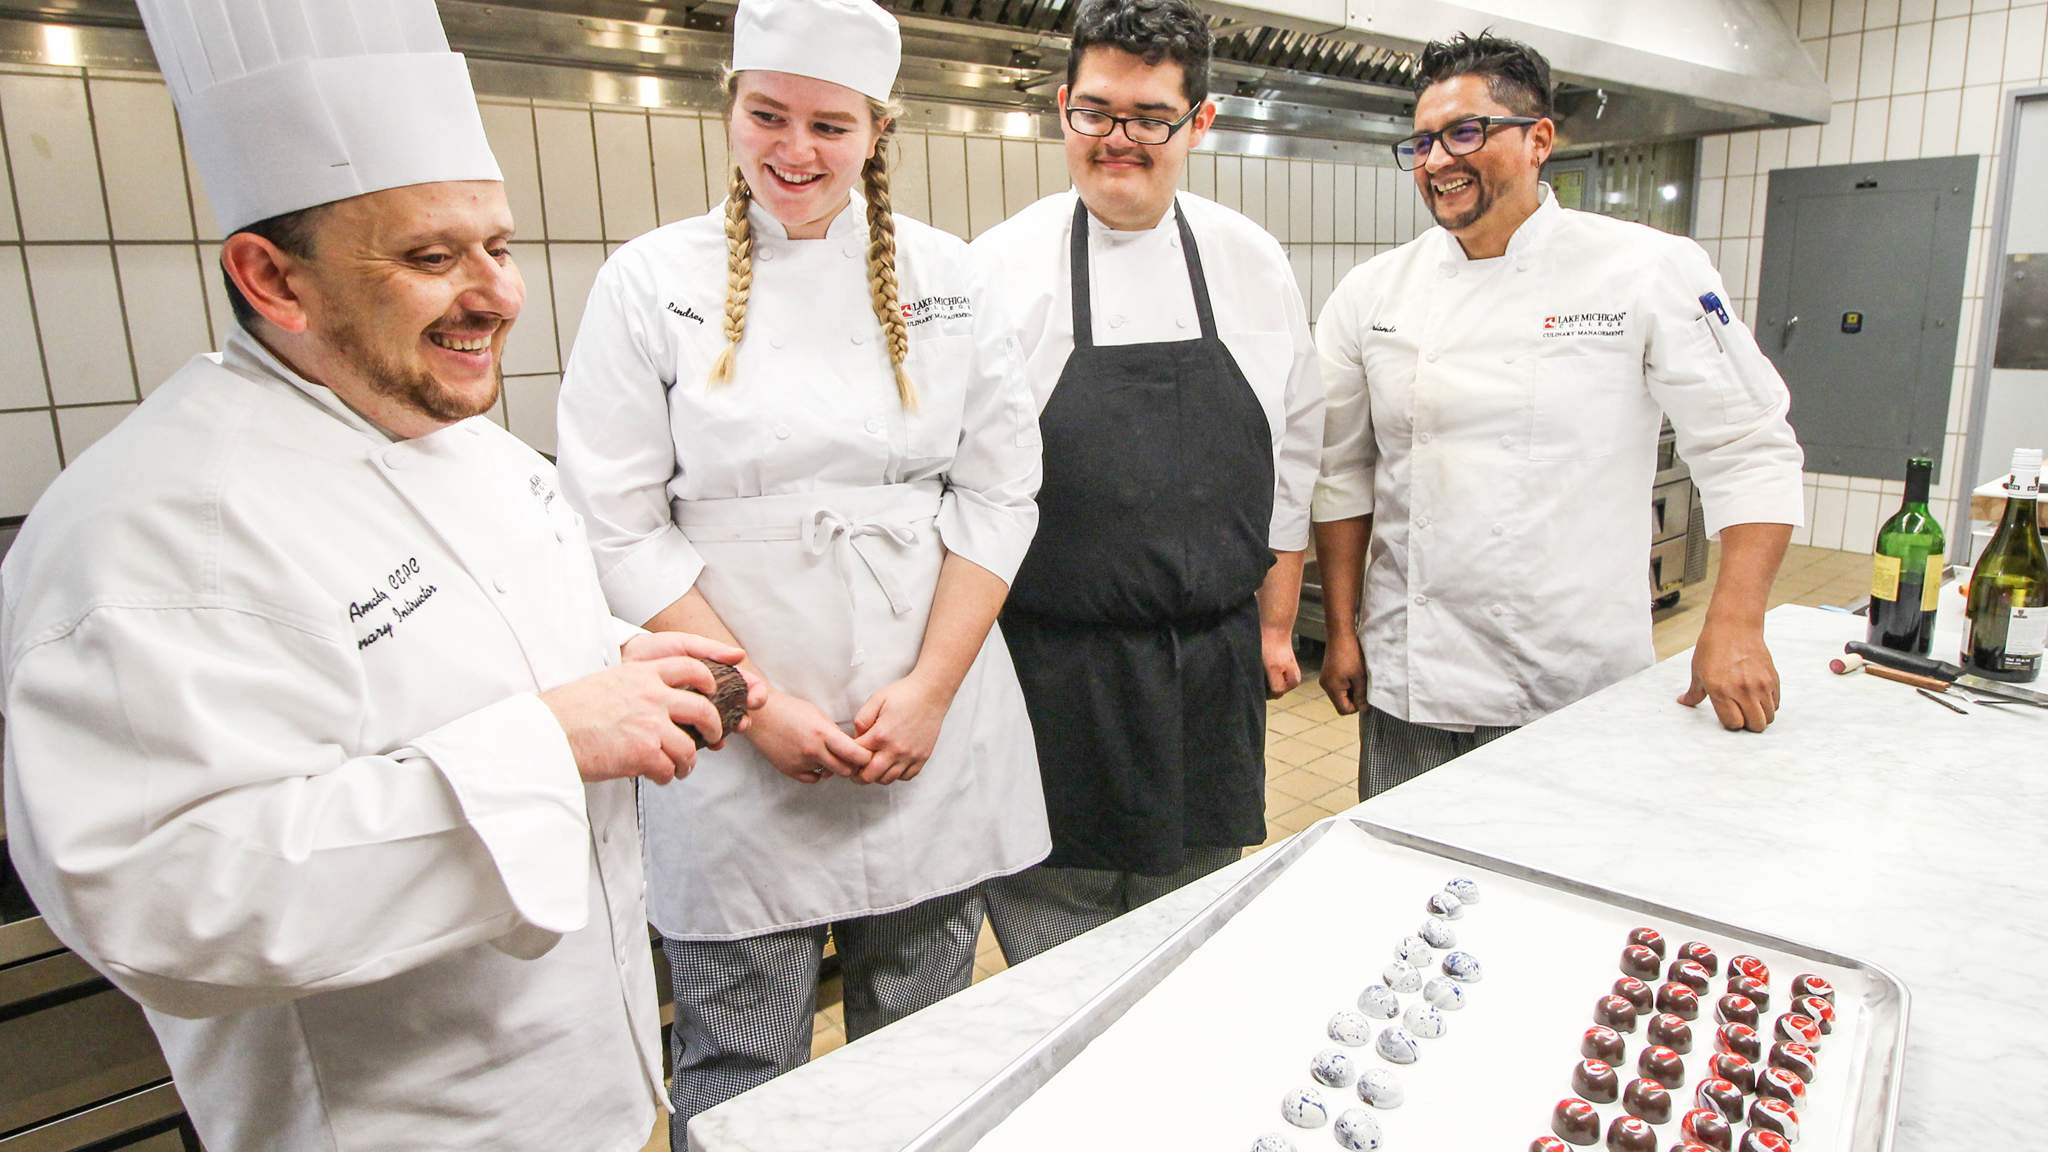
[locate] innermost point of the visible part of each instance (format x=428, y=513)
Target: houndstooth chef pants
x=744, y=1007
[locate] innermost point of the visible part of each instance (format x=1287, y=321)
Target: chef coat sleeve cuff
x=652, y=574
x=1771, y=499
x=1342, y=496
x=624, y=631
x=514, y=776
x=994, y=536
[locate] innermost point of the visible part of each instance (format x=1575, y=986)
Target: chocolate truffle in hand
x=1722, y=1096
x=1707, y=1126
x=1662, y=1065
x=1735, y=1008
x=1576, y=1122
x=1630, y=1134
x=1756, y=990
x=1647, y=1099
x=1691, y=975
x=1820, y=1011
x=1679, y=1000
x=1763, y=1140
x=1595, y=1080
x=1735, y=1069
x=1615, y=1012
x=1602, y=1043
x=1795, y=1058
x=729, y=696
x=1775, y=1116
x=1637, y=992
x=1741, y=1040
x=1671, y=1031
x=1807, y=984
x=1640, y=962
x=1779, y=1084
x=1749, y=966
x=1698, y=952
x=1797, y=1029
x=1649, y=938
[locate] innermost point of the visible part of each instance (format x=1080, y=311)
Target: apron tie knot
x=850, y=540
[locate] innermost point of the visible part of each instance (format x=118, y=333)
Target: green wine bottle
x=1905, y=578
x=2008, y=613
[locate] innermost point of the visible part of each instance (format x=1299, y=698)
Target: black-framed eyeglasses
x=1459, y=139
x=1137, y=129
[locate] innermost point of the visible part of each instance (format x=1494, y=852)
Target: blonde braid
x=739, y=273
x=882, y=268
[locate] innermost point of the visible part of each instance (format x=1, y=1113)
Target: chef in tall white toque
x=321, y=740
x=792, y=422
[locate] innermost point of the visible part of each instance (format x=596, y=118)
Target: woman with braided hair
x=788, y=422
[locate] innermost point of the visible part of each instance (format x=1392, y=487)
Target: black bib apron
x=1133, y=621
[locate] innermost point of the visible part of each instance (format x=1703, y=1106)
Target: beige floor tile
x=1299, y=818
x=1319, y=709
x=828, y=1042
x=1300, y=784
x=1336, y=736
x=1291, y=752
x=1337, y=799
x=1337, y=767
x=1286, y=723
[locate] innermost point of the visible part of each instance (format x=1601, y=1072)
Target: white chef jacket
x=1141, y=295
x=276, y=766
x=1499, y=419
x=688, y=484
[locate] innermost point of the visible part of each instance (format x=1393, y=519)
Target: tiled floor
x=1312, y=753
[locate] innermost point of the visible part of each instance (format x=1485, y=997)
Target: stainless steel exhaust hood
x=1286, y=70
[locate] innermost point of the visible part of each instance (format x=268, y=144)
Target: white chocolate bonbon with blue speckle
x=1304, y=1108
x=1437, y=933
x=1380, y=1088
x=1350, y=1028
x=1358, y=1131
x=1379, y=1002
x=1462, y=967
x=1415, y=951
x=1423, y=1022
x=1334, y=1068
x=1401, y=976
x=1444, y=993
x=1396, y=1046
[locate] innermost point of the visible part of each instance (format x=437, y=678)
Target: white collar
x=1524, y=244
x=851, y=221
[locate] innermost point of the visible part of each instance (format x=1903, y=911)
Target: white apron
x=830, y=592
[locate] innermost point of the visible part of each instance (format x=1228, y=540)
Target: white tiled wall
x=109, y=260
x=1909, y=79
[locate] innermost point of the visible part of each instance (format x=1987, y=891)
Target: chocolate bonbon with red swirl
x=1576, y=1122
x=1602, y=1043
x=1797, y=1028
x=1735, y=1008
x=1741, y=1040
x=1640, y=962
x=1649, y=938
x=1807, y=984
x=1630, y=1134
x=1796, y=1058
x=1763, y=1140
x=1753, y=988
x=1647, y=1099
x=1671, y=1031
x=1691, y=974
x=1679, y=1000
x=1821, y=1012
x=1749, y=966
x=1737, y=1070
x=1707, y=1126
x=1637, y=993
x=1775, y=1116
x=1699, y=953
x=1779, y=1084
x=1722, y=1096
x=1615, y=1012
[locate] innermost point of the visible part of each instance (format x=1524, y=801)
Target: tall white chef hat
x=847, y=42
x=288, y=104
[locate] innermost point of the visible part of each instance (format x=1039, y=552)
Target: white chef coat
x=1498, y=419
x=1141, y=295
x=276, y=766
x=813, y=511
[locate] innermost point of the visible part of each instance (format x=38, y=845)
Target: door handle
x=1785, y=341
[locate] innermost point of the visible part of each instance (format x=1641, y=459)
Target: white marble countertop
x=1866, y=821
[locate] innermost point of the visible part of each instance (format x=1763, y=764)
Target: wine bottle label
x=1930, y=590
x=1884, y=577
x=2026, y=636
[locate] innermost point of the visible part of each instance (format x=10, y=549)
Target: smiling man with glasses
x=1154, y=612
x=1494, y=395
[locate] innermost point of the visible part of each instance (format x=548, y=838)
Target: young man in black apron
x=1181, y=406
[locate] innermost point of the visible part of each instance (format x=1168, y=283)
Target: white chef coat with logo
x=1498, y=419
x=1142, y=295
x=814, y=511
x=277, y=766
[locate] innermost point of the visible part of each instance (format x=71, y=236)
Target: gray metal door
x=1862, y=284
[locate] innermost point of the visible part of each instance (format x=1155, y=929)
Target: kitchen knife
x=1946, y=672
